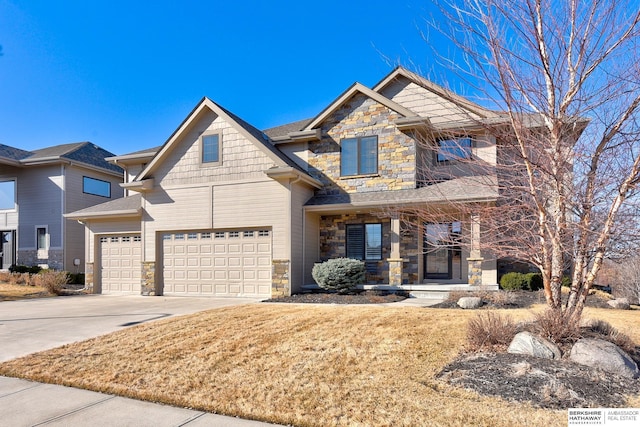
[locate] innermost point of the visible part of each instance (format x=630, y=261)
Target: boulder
x=533, y=345
x=620, y=303
x=470, y=302
x=605, y=355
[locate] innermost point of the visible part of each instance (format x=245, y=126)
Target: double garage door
x=210, y=263
x=220, y=263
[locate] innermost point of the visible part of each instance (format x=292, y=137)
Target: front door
x=7, y=249
x=442, y=255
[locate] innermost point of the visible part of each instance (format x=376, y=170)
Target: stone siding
x=55, y=261
x=362, y=116
x=410, y=251
x=280, y=283
x=89, y=283
x=333, y=242
x=148, y=284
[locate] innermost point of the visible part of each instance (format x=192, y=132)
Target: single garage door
x=120, y=264
x=217, y=263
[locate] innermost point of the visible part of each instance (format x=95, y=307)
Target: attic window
x=210, y=148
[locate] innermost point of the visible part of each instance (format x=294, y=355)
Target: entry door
x=442, y=255
x=7, y=249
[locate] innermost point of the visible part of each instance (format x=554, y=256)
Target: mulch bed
x=514, y=299
x=550, y=384
x=364, y=297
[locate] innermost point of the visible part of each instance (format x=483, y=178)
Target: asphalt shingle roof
x=81, y=152
x=130, y=203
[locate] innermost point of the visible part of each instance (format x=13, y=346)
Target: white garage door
x=120, y=264
x=218, y=263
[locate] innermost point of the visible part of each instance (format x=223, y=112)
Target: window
x=96, y=187
x=247, y=234
x=234, y=234
x=219, y=235
x=210, y=148
x=359, y=156
x=453, y=149
x=7, y=195
x=192, y=236
x=41, y=238
x=364, y=241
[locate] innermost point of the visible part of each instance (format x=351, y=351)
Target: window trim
x=449, y=157
x=363, y=249
x=15, y=194
x=217, y=162
x=84, y=178
x=359, y=171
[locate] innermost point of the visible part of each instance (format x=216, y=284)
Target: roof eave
x=280, y=174
x=138, y=186
x=124, y=213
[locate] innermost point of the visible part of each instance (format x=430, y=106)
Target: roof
x=285, y=129
x=130, y=206
x=467, y=189
x=84, y=153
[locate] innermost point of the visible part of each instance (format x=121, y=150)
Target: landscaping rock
x=620, y=303
x=470, y=302
x=533, y=345
x=604, y=355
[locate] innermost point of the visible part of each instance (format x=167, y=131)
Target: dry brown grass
x=490, y=330
x=302, y=365
x=12, y=292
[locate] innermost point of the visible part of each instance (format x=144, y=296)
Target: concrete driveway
x=28, y=326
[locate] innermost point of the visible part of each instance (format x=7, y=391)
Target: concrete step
x=436, y=295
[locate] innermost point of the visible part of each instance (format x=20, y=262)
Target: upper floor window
x=364, y=241
x=7, y=195
x=96, y=187
x=359, y=156
x=453, y=149
x=211, y=148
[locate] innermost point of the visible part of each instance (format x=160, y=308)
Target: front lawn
x=306, y=365
x=10, y=292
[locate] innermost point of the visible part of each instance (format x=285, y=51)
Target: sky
x=124, y=74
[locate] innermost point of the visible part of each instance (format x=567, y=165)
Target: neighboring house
x=225, y=209
x=37, y=188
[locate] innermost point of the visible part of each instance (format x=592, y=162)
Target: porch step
x=435, y=295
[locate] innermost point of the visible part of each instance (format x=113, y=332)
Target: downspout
x=63, y=206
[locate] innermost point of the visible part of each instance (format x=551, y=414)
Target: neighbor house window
x=359, y=156
x=96, y=187
x=211, y=148
x=454, y=149
x=7, y=195
x=41, y=238
x=364, y=241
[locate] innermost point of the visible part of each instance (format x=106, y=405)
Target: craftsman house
x=222, y=208
x=37, y=188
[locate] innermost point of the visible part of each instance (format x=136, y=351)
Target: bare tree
x=563, y=80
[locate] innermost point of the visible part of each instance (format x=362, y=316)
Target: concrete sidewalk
x=26, y=403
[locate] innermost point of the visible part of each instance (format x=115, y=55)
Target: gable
x=240, y=158
x=425, y=102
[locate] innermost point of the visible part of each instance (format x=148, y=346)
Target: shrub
x=553, y=325
x=25, y=269
x=490, y=330
x=52, y=281
x=339, y=274
x=76, y=278
x=534, y=281
x=513, y=281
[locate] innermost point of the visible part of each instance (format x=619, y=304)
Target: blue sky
x=124, y=74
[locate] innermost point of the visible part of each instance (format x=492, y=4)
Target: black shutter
x=355, y=241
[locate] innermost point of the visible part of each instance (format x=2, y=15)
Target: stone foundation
x=148, y=284
x=55, y=260
x=395, y=271
x=280, y=282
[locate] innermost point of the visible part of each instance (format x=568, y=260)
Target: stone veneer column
x=88, y=277
x=395, y=262
x=148, y=283
x=280, y=285
x=475, y=258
